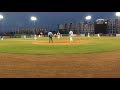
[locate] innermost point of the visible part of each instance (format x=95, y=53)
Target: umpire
x=50, y=35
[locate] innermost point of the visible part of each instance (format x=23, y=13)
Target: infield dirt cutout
x=60, y=42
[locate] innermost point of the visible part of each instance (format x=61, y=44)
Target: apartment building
x=111, y=26
x=88, y=27
x=117, y=25
x=77, y=28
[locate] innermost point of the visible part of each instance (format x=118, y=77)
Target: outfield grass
x=25, y=46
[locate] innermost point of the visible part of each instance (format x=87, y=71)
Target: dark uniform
x=50, y=35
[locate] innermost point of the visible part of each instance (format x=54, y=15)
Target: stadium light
x=1, y=17
x=117, y=14
x=33, y=18
x=88, y=17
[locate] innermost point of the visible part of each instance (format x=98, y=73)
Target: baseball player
x=88, y=34
x=39, y=35
x=71, y=34
x=58, y=34
x=35, y=37
x=98, y=35
x=50, y=35
x=1, y=37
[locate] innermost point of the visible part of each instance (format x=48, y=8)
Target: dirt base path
x=99, y=65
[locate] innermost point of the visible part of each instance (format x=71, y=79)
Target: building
x=67, y=26
x=62, y=28
x=87, y=27
x=82, y=27
x=111, y=26
x=104, y=26
x=73, y=27
x=117, y=25
x=77, y=28
x=31, y=30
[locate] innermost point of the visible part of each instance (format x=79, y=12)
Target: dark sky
x=48, y=19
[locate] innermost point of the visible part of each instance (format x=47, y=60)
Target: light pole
x=88, y=18
x=33, y=18
x=1, y=17
x=118, y=15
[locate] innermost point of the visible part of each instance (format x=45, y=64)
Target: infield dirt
x=61, y=42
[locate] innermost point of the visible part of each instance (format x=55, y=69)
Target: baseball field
x=85, y=57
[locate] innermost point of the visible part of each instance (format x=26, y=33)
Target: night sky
x=47, y=19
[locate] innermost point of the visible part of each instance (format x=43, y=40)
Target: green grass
x=25, y=46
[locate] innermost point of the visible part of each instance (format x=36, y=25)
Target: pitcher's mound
x=60, y=42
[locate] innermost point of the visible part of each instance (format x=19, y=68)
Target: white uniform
x=35, y=37
x=71, y=34
x=58, y=36
x=88, y=34
x=1, y=37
